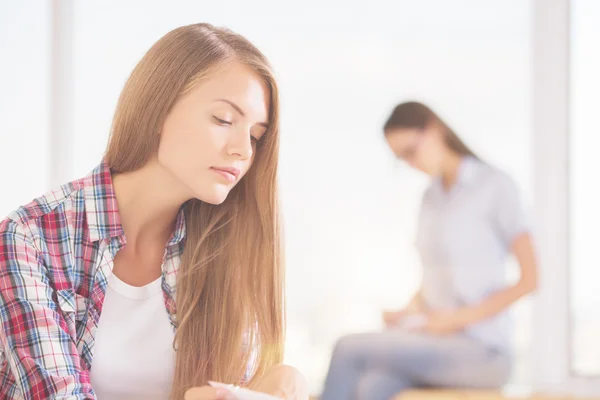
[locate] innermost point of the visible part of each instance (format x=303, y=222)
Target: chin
x=215, y=197
x=430, y=170
x=422, y=169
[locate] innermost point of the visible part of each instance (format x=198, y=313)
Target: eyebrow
x=239, y=110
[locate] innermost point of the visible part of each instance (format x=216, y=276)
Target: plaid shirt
x=56, y=254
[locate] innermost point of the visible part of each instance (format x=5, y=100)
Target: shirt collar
x=467, y=172
x=179, y=233
x=101, y=208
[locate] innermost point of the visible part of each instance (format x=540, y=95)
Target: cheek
x=189, y=144
x=427, y=157
x=431, y=152
x=173, y=147
x=426, y=160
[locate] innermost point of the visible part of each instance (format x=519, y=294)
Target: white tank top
x=133, y=352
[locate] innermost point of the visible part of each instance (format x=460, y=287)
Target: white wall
x=564, y=88
x=24, y=109
x=584, y=197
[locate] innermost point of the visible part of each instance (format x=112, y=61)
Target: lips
x=229, y=173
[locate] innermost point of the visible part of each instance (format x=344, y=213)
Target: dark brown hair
x=415, y=115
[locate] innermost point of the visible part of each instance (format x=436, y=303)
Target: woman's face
x=210, y=137
x=421, y=149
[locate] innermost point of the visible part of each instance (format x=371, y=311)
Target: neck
x=149, y=200
x=450, y=169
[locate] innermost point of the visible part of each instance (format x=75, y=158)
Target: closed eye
x=222, y=121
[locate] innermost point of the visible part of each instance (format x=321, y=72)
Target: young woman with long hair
x=162, y=269
x=456, y=332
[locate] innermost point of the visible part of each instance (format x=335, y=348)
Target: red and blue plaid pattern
x=56, y=254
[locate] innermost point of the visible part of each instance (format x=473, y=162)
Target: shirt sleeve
x=508, y=213
x=41, y=358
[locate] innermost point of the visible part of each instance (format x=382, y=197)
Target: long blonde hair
x=230, y=282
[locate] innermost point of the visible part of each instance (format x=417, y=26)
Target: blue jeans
x=376, y=366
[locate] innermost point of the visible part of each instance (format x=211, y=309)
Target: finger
x=401, y=314
x=206, y=393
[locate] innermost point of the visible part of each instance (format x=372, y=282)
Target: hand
x=207, y=393
x=444, y=323
x=392, y=318
x=282, y=381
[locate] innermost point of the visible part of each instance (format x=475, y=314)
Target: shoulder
x=48, y=211
x=496, y=179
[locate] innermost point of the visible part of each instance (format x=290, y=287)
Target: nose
x=240, y=144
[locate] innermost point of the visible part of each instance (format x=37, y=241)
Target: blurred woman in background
x=160, y=270
x=456, y=332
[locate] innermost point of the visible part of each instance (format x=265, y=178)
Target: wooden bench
x=450, y=395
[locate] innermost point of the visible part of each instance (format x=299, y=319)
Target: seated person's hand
x=393, y=318
x=446, y=322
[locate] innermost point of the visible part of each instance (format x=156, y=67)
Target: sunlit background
x=349, y=207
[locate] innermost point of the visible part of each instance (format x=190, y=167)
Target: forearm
x=494, y=304
x=523, y=250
